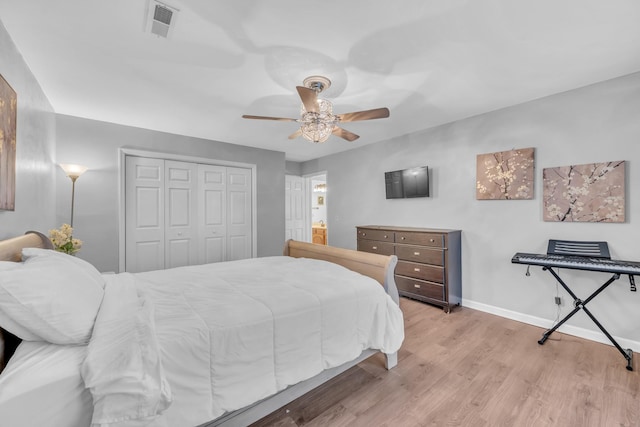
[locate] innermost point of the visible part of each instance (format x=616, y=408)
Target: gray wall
x=593, y=124
x=95, y=144
x=35, y=189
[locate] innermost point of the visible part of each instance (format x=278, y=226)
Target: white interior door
x=144, y=211
x=212, y=212
x=181, y=229
x=295, y=223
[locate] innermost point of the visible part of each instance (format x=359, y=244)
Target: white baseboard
x=588, y=334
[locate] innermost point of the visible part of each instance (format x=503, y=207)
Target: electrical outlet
x=558, y=300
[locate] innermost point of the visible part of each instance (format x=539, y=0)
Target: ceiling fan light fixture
x=317, y=131
x=317, y=121
x=318, y=126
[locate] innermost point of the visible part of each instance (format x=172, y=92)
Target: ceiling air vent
x=161, y=19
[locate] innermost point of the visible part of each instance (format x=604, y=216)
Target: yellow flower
x=62, y=240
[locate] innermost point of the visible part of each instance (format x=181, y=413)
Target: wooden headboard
x=11, y=250
x=376, y=266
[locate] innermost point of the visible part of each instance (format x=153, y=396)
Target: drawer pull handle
x=415, y=285
x=375, y=247
x=364, y=234
x=416, y=253
x=385, y=236
x=416, y=269
x=402, y=238
x=432, y=240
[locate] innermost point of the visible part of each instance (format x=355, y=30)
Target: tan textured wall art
x=505, y=175
x=8, y=117
x=591, y=192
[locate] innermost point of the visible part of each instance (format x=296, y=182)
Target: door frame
x=124, y=152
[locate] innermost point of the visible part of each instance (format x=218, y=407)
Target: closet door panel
x=181, y=229
x=212, y=213
x=239, y=213
x=144, y=214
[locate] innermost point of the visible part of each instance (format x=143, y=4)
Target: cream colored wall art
x=505, y=175
x=8, y=118
x=591, y=192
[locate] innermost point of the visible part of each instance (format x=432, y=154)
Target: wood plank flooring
x=470, y=368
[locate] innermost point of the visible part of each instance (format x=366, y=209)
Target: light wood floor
x=470, y=368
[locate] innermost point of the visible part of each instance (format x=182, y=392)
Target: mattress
x=42, y=385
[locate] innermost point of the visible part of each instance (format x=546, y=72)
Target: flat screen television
x=407, y=183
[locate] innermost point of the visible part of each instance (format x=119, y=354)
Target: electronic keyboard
x=578, y=263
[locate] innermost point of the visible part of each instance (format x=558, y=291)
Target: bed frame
x=379, y=267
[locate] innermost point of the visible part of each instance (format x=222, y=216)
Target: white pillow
x=50, y=296
x=28, y=253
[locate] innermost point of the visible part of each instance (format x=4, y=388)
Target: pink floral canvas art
x=591, y=192
x=8, y=114
x=505, y=175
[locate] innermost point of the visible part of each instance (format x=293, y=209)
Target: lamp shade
x=73, y=171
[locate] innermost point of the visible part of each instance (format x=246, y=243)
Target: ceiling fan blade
x=309, y=99
x=296, y=134
x=344, y=134
x=283, y=119
x=376, y=113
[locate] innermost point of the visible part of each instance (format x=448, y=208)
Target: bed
x=213, y=345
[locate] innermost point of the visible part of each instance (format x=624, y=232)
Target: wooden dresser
x=429, y=267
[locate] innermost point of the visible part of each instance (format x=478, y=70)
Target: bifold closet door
x=224, y=213
x=161, y=214
x=181, y=213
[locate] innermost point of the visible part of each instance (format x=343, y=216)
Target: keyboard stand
x=581, y=305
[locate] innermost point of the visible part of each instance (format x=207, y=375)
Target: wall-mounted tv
x=407, y=183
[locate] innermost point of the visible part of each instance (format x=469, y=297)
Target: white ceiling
x=429, y=61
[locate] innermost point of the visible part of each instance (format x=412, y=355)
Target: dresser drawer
x=420, y=254
x=420, y=287
x=375, y=247
x=420, y=271
x=381, y=235
x=415, y=238
x=319, y=231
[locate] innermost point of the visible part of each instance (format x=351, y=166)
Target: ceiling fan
x=317, y=121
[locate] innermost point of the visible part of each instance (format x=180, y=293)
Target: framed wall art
x=8, y=118
x=505, y=175
x=591, y=192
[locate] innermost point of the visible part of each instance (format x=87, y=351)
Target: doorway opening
x=319, y=223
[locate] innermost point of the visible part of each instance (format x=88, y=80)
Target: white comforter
x=193, y=343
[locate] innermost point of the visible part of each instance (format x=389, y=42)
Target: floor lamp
x=73, y=172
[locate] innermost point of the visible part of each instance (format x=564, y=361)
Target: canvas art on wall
x=505, y=175
x=8, y=116
x=591, y=192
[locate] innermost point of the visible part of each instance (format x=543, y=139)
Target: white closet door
x=181, y=227
x=183, y=213
x=144, y=204
x=212, y=213
x=294, y=208
x=239, y=238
